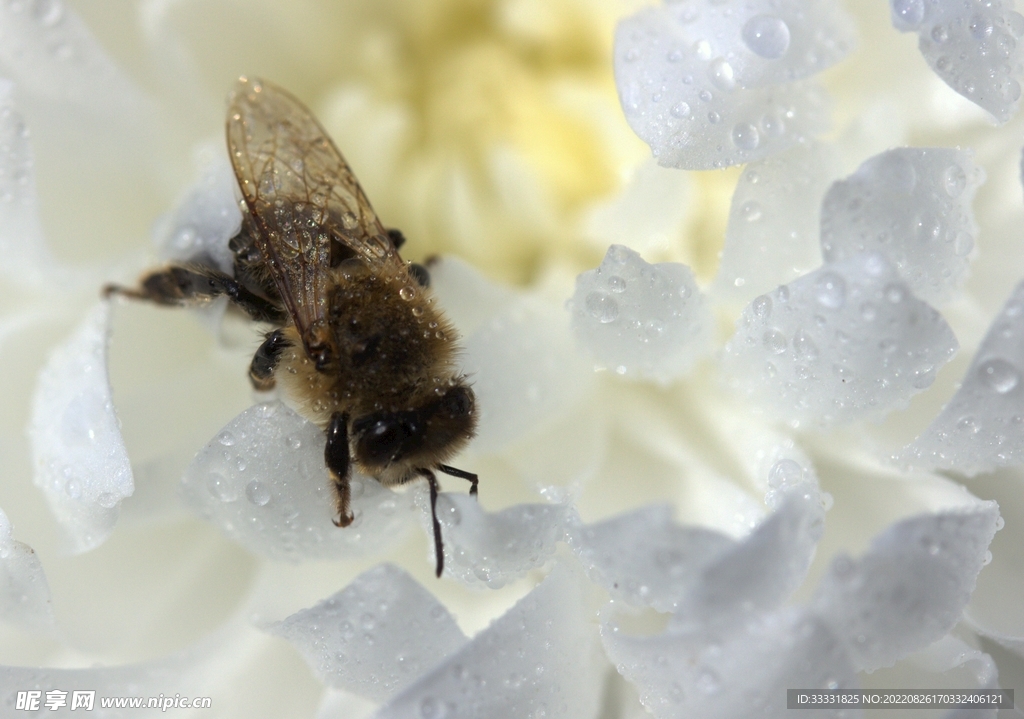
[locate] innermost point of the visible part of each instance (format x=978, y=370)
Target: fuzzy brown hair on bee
x=358, y=346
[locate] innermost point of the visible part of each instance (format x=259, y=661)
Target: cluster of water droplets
x=982, y=426
x=973, y=46
x=910, y=587
x=728, y=653
x=708, y=85
x=375, y=636
x=81, y=462
x=638, y=319
x=496, y=548
x=845, y=342
x=262, y=481
x=914, y=206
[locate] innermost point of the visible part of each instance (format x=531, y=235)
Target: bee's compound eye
x=457, y=402
x=384, y=439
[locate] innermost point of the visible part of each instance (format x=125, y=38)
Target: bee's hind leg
x=264, y=362
x=337, y=459
x=462, y=474
x=190, y=284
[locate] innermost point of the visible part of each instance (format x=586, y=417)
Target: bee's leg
x=261, y=371
x=397, y=238
x=337, y=460
x=185, y=284
x=438, y=544
x=420, y=273
x=463, y=474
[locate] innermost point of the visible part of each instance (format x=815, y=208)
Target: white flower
x=702, y=521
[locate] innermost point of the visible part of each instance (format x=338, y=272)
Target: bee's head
x=392, y=445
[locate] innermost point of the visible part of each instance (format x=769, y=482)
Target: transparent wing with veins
x=301, y=194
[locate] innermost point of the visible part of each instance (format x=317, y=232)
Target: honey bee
x=358, y=345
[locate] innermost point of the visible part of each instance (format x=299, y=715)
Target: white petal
x=645, y=558
x=913, y=205
x=25, y=599
x=773, y=230
x=262, y=481
x=845, y=342
x=80, y=459
x=649, y=214
x=495, y=548
x=688, y=103
x=524, y=369
x=982, y=426
x=538, y=659
x=760, y=572
x=642, y=320
x=679, y=675
x=375, y=636
x=910, y=587
x=205, y=219
x=974, y=48
x=22, y=245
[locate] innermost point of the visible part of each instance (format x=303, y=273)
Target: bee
x=357, y=345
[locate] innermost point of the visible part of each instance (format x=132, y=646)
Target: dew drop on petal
x=602, y=307
x=766, y=36
x=745, y=136
x=774, y=341
x=909, y=12
x=784, y=472
x=107, y=500
x=830, y=291
x=721, y=74
x=257, y=493
x=999, y=375
x=954, y=180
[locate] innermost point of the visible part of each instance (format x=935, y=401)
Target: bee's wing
x=301, y=193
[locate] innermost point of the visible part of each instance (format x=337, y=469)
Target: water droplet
x=830, y=290
x=680, y=109
x=868, y=311
x=804, y=346
x=714, y=118
x=751, y=211
x=940, y=34
x=963, y=244
x=784, y=472
x=73, y=488
x=294, y=442
x=257, y=493
x=226, y=438
x=766, y=36
x=675, y=56
x=762, y=306
x=721, y=75
x=908, y=13
x=980, y=27
x=220, y=488
x=702, y=48
x=894, y=293
x=999, y=375
x=954, y=180
x=407, y=293
x=602, y=307
x=107, y=500
x=616, y=284
x=774, y=341
x=745, y=136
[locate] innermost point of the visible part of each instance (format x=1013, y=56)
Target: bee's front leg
x=264, y=362
x=337, y=459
